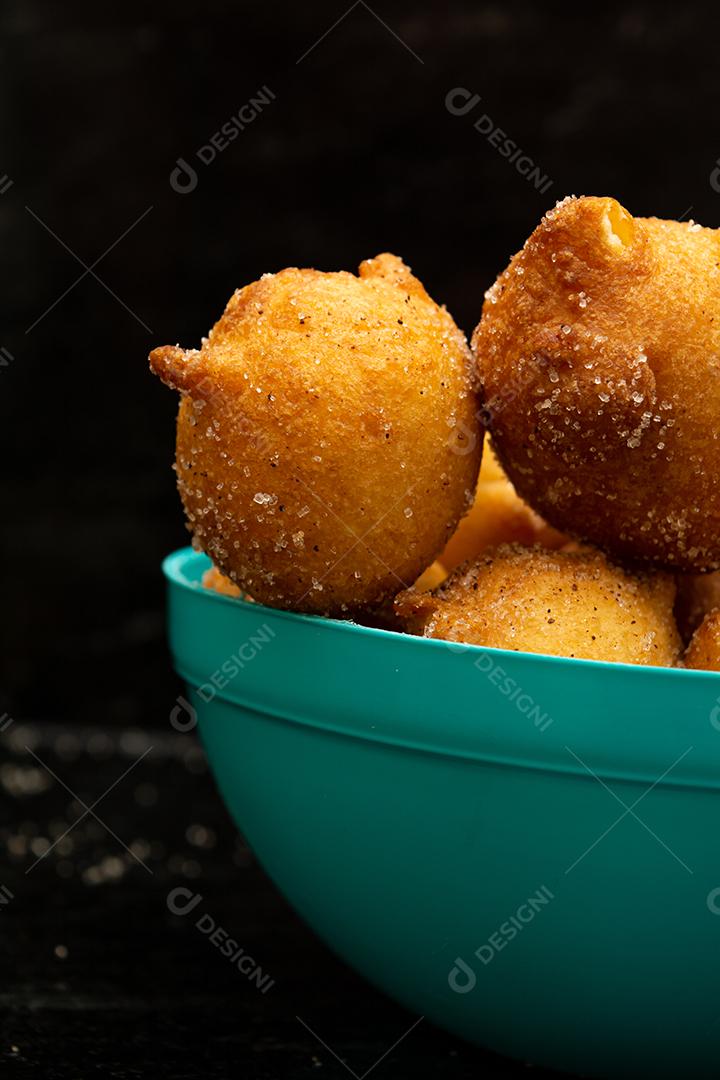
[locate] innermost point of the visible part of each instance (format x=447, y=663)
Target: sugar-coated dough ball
x=328, y=437
x=704, y=649
x=553, y=602
x=599, y=358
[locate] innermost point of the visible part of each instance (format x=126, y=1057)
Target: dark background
x=356, y=154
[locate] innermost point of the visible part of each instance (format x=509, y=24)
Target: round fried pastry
x=599, y=358
x=561, y=603
x=328, y=439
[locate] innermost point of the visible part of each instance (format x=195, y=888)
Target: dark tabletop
x=101, y=979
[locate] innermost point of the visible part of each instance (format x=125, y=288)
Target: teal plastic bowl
x=523, y=849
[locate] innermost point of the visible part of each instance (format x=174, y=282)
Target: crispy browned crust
x=599, y=357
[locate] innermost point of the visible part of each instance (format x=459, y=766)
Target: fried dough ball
x=328, y=439
x=498, y=516
x=599, y=359
x=697, y=596
x=558, y=603
x=704, y=649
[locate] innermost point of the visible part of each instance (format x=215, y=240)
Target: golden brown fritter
x=553, y=602
x=704, y=649
x=599, y=358
x=328, y=439
x=498, y=516
x=697, y=596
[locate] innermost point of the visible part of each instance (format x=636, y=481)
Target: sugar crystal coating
x=328, y=435
x=561, y=603
x=600, y=375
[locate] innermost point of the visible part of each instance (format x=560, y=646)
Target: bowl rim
x=624, y=728
x=175, y=565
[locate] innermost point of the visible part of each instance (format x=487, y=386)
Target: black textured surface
x=101, y=979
